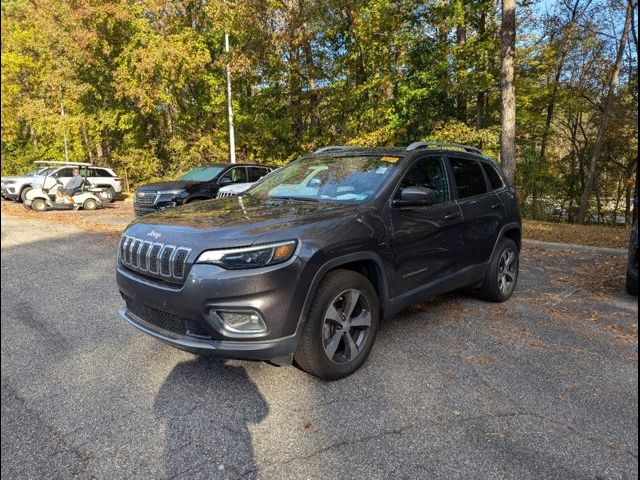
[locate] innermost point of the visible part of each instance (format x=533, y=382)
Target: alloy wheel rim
x=507, y=271
x=346, y=326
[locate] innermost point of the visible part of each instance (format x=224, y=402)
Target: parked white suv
x=98, y=176
x=15, y=187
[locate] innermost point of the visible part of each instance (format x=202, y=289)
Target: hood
x=17, y=178
x=234, y=221
x=237, y=187
x=168, y=185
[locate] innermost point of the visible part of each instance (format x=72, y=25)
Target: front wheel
x=502, y=274
x=38, y=205
x=23, y=193
x=89, y=204
x=341, y=326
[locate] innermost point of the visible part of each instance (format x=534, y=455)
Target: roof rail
x=423, y=145
x=68, y=164
x=333, y=148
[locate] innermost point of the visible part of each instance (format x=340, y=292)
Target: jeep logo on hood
x=154, y=234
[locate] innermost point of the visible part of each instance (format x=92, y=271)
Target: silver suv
x=15, y=187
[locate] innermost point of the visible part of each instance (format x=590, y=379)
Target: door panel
x=482, y=211
x=426, y=239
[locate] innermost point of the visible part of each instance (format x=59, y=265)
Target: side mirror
x=416, y=197
x=225, y=181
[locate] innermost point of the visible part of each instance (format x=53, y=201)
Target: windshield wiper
x=302, y=199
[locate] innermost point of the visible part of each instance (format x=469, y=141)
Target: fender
x=331, y=265
x=503, y=230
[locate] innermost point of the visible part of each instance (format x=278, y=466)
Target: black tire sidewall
x=490, y=290
x=314, y=360
x=23, y=193
x=632, y=285
x=112, y=194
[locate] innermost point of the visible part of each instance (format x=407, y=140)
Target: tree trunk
x=461, y=97
x=604, y=118
x=480, y=102
x=507, y=87
x=481, y=97
x=556, y=82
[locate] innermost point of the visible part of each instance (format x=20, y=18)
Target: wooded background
x=140, y=86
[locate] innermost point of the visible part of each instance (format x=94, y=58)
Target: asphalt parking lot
x=544, y=386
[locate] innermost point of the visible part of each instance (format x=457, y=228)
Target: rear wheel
x=110, y=194
x=23, y=193
x=341, y=326
x=502, y=274
x=38, y=205
x=89, y=204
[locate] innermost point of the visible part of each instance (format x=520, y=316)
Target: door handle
x=450, y=216
x=496, y=206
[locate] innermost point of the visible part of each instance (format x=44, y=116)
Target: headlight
x=171, y=192
x=250, y=257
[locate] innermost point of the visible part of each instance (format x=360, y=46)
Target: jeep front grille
x=145, y=198
x=154, y=259
x=225, y=194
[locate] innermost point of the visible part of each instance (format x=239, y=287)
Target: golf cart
x=46, y=192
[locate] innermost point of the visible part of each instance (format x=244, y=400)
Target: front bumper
x=251, y=350
x=9, y=192
x=277, y=293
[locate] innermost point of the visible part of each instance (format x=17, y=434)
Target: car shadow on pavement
x=206, y=405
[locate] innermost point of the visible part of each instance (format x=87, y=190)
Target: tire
x=23, y=194
x=632, y=284
x=111, y=194
x=499, y=283
x=38, y=205
x=89, y=204
x=314, y=349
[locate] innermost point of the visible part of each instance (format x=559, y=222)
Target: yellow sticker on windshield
x=390, y=159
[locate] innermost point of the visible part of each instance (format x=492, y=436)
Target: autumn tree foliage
x=142, y=86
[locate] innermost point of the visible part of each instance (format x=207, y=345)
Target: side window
x=494, y=177
x=428, y=173
x=469, y=177
x=256, y=173
x=64, y=173
x=237, y=175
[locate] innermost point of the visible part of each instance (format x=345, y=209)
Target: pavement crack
x=59, y=438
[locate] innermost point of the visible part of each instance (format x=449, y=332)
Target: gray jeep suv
x=305, y=264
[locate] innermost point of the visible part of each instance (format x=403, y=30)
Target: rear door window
x=469, y=177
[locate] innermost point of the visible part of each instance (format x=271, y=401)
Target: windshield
x=202, y=174
x=40, y=175
x=352, y=179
